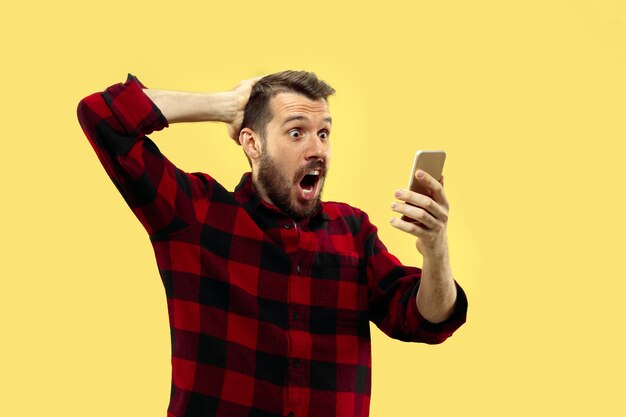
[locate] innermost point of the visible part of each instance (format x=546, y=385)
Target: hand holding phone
x=430, y=162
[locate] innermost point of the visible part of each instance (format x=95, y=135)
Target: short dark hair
x=258, y=113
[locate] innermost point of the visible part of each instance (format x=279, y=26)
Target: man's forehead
x=289, y=105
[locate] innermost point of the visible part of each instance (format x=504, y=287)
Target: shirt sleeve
x=392, y=294
x=116, y=122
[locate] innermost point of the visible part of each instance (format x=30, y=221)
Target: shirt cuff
x=438, y=332
x=137, y=114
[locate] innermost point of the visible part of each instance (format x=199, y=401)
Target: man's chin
x=303, y=209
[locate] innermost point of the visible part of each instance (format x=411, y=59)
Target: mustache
x=319, y=164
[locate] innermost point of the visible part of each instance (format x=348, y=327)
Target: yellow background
x=528, y=99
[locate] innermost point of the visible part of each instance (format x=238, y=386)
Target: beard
x=279, y=187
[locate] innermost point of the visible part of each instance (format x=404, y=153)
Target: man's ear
x=250, y=142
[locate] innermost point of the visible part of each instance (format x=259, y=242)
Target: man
x=270, y=291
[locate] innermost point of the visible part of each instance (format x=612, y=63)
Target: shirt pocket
x=342, y=266
x=339, y=322
x=340, y=282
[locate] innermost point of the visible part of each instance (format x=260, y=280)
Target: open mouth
x=309, y=184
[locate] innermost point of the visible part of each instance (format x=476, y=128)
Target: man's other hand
x=429, y=214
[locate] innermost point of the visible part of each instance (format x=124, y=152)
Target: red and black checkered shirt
x=268, y=317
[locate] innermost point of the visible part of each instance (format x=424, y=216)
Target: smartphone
x=430, y=162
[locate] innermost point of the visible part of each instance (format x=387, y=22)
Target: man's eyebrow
x=300, y=117
x=292, y=118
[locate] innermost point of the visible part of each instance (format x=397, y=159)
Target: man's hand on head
x=241, y=94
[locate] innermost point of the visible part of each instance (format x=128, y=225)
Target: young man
x=270, y=290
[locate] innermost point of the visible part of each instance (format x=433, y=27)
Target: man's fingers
x=437, y=210
x=415, y=213
x=249, y=82
x=243, y=90
x=233, y=132
x=242, y=95
x=405, y=226
x=433, y=185
x=411, y=228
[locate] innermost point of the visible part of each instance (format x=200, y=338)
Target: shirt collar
x=247, y=196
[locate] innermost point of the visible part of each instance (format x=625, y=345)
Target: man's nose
x=318, y=148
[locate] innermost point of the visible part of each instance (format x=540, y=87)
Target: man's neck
x=260, y=190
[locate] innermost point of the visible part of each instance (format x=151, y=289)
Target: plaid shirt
x=268, y=317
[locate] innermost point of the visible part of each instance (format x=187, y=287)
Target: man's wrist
x=437, y=267
x=221, y=107
x=182, y=106
x=439, y=257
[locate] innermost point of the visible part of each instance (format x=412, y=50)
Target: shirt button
x=296, y=363
x=287, y=225
x=298, y=269
x=296, y=316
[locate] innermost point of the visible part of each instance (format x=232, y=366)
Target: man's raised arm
x=227, y=107
x=116, y=122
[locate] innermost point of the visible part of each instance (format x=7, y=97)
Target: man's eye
x=295, y=133
x=324, y=134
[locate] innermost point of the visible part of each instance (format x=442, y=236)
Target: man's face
x=295, y=154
